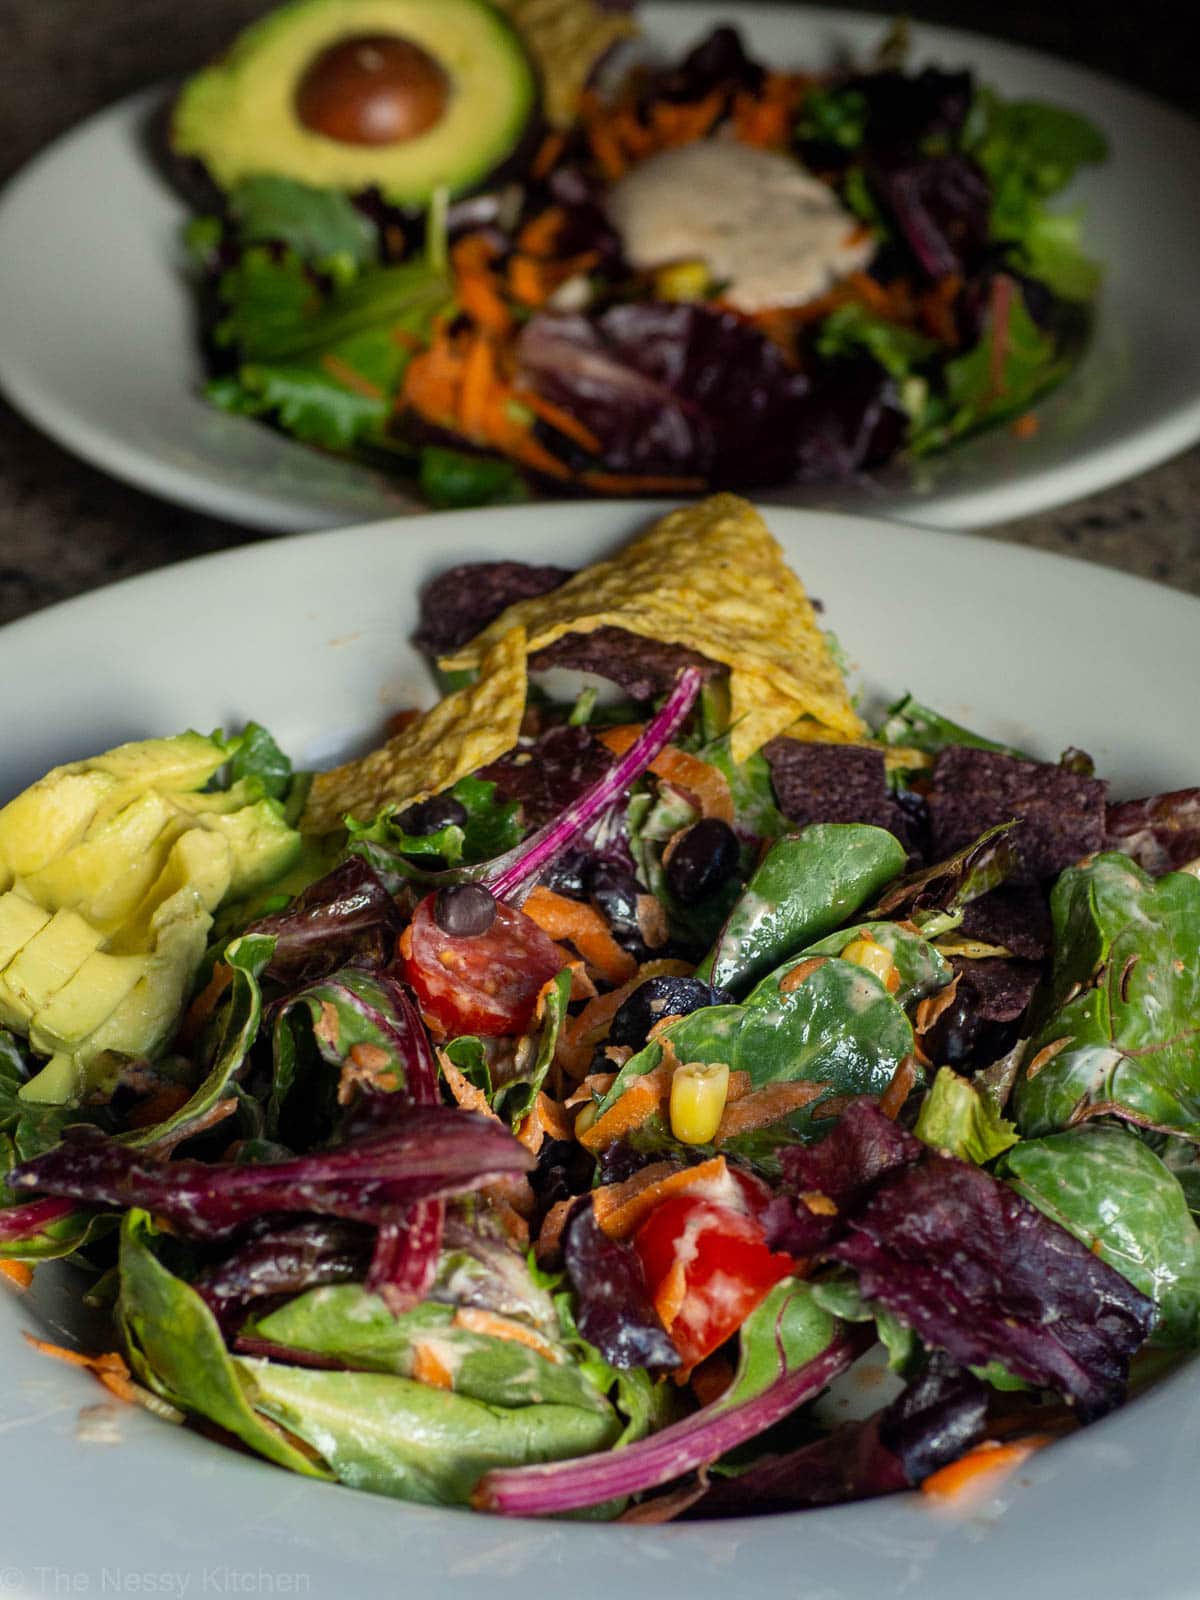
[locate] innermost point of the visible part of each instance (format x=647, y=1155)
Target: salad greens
x=550, y=1141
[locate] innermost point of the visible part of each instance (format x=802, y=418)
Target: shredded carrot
x=562, y=421
x=979, y=1467
x=1025, y=426
x=551, y=1230
x=529, y=282
x=18, y=1273
x=703, y=782
x=537, y=237
x=583, y=1033
x=891, y=1101
x=158, y=1106
x=765, y=119
x=640, y=483
x=621, y=1208
x=546, y=159
x=349, y=377
x=671, y=1293
x=428, y=1367
x=640, y=1101
x=475, y=1320
x=204, y=1004
x=936, y=309
x=587, y=930
x=478, y=378
x=764, y=1106
x=478, y=291
x=606, y=150
x=931, y=1008
x=800, y=974
x=464, y=1091
x=678, y=123
x=110, y=1367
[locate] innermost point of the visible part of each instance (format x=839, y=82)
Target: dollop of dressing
x=769, y=232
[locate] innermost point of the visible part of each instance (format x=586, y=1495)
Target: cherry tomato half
x=487, y=984
x=707, y=1266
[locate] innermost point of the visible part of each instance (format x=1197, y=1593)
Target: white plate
x=308, y=635
x=97, y=336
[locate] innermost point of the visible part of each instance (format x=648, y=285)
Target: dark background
x=65, y=527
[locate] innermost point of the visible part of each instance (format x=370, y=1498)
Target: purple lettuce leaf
x=546, y=776
x=936, y=1418
x=903, y=109
x=942, y=207
x=671, y=389
x=613, y=1310
x=427, y=1153
x=1160, y=832
x=850, y=420
x=977, y=1271
x=862, y=1148
x=348, y=915
x=284, y=1258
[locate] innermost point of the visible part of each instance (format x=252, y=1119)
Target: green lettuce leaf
x=957, y=1119
x=1103, y=1185
x=317, y=223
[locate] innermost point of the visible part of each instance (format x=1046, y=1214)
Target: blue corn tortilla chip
x=644, y=668
x=1018, y=919
x=547, y=774
x=817, y=782
x=1063, y=812
x=460, y=603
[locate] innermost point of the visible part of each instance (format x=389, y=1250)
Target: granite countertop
x=66, y=528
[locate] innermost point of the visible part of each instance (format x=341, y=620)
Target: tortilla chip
x=711, y=577
x=896, y=757
x=566, y=39
x=466, y=730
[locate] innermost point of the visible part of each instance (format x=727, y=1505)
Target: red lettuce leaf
x=613, y=1310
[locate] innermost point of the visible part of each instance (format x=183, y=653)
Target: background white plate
x=309, y=636
x=97, y=339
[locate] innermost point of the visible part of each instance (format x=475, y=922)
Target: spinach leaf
x=834, y=116
x=357, y=1329
x=839, y=1027
x=492, y=827
x=176, y=1349
x=1103, y=1185
x=316, y=223
x=852, y=329
x=806, y=885
x=451, y=479
x=919, y=727
x=958, y=1120
x=1118, y=1031
x=258, y=756
x=1013, y=363
x=933, y=897
x=398, y=1437
x=921, y=969
x=781, y=1335
x=1029, y=150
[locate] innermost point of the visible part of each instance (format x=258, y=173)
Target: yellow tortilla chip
x=464, y=731
x=712, y=577
x=566, y=38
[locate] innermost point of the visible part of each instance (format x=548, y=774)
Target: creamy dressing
x=768, y=231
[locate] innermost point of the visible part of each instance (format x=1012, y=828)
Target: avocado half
x=252, y=112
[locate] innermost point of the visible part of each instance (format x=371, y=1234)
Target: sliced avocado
x=107, y=873
x=261, y=844
x=85, y=1001
x=20, y=919
x=180, y=762
x=199, y=865
x=38, y=972
x=48, y=818
x=406, y=96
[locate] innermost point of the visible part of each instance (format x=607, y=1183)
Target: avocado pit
x=372, y=89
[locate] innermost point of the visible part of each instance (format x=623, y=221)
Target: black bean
x=655, y=999
x=464, y=910
x=702, y=859
x=430, y=816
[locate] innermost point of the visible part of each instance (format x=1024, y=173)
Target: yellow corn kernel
x=699, y=1090
x=584, y=1118
x=682, y=280
x=874, y=958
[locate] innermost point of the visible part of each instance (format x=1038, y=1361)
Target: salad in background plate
x=710, y=273
x=540, y=1110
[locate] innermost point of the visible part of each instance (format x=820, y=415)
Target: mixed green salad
x=719, y=272
x=543, y=1111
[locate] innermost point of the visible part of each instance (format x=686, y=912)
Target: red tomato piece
x=487, y=984
x=707, y=1266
